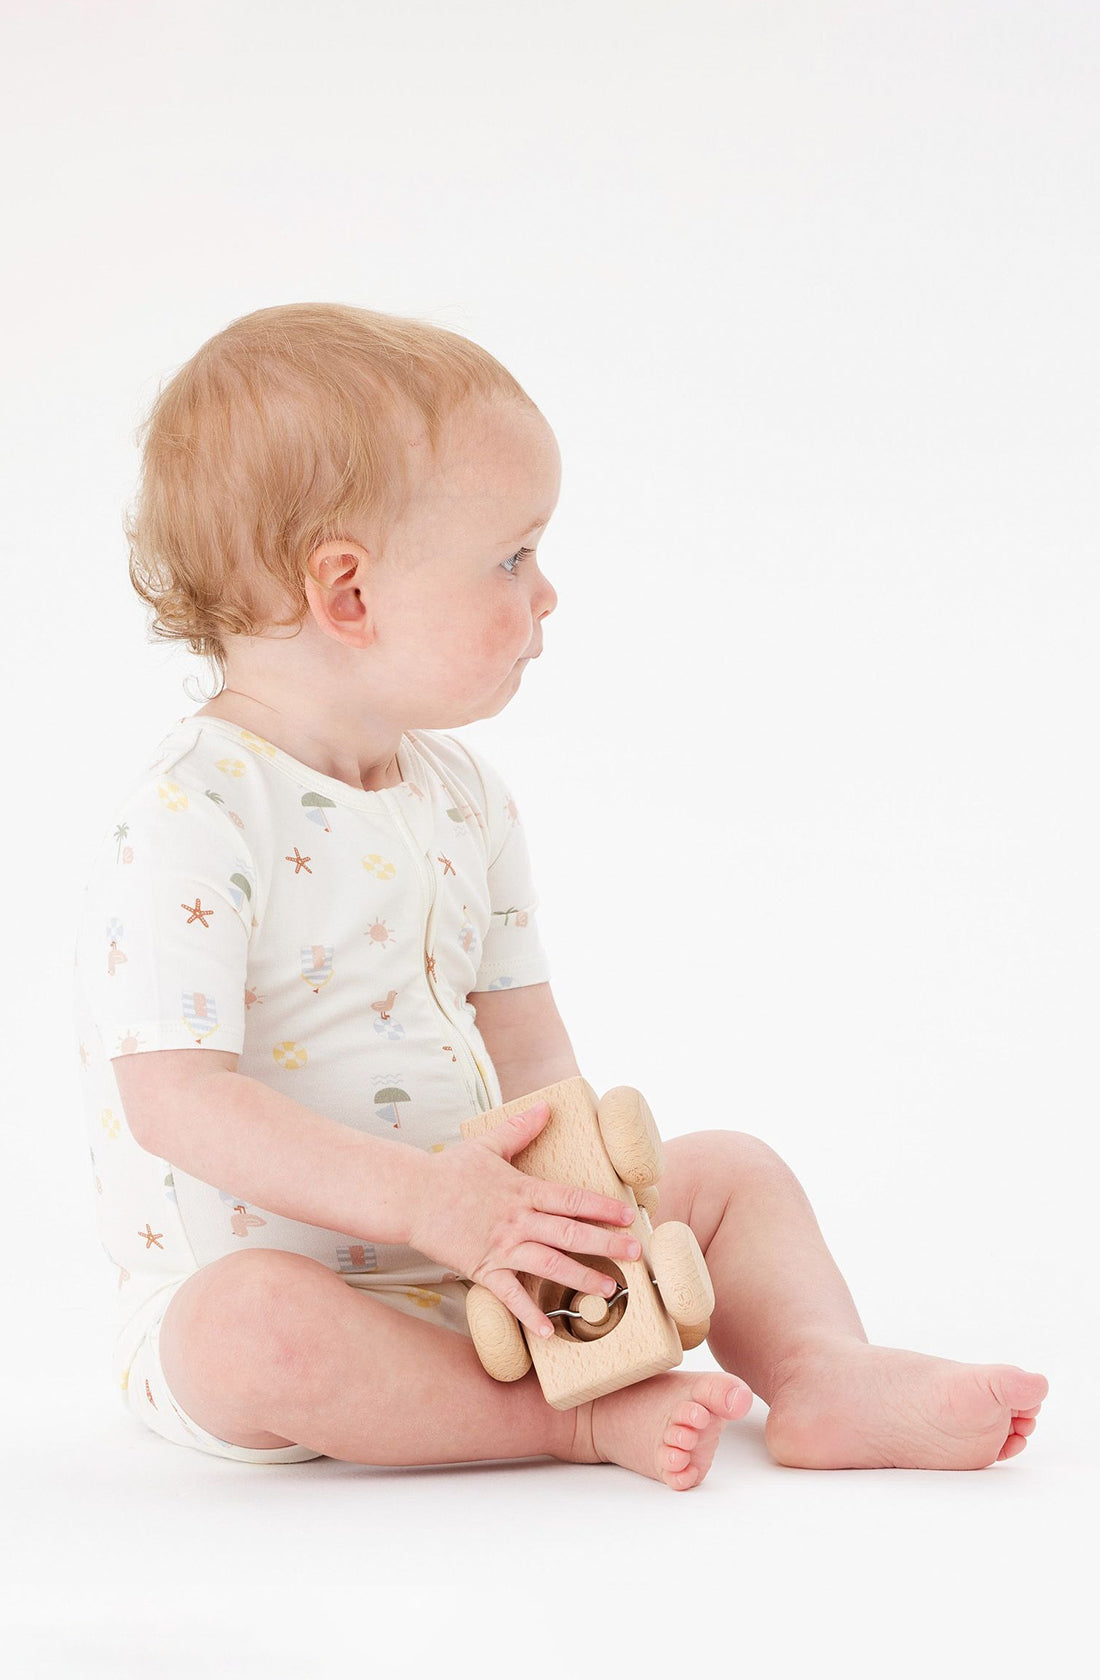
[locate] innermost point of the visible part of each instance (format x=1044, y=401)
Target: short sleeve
x=512, y=952
x=162, y=940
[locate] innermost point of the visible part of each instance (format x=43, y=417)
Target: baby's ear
x=333, y=584
x=334, y=562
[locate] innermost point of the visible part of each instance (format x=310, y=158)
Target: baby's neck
x=303, y=743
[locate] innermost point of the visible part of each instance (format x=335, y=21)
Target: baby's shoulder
x=171, y=805
x=464, y=770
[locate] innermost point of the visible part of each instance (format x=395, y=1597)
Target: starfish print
x=299, y=862
x=150, y=1235
x=448, y=866
x=429, y=963
x=198, y=914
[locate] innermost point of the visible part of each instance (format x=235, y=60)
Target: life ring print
x=172, y=796
x=375, y=864
x=290, y=1055
x=257, y=744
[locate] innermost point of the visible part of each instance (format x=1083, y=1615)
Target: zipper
x=427, y=878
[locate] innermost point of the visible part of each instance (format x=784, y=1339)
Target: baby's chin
x=504, y=690
x=460, y=713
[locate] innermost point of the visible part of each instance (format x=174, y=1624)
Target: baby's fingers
x=579, y=1203
x=551, y=1263
x=573, y=1237
x=507, y=1287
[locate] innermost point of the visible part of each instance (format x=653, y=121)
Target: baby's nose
x=546, y=598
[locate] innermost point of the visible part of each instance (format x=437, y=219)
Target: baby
x=308, y=950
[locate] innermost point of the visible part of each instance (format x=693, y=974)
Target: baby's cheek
x=503, y=631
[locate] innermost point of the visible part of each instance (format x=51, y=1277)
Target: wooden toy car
x=664, y=1300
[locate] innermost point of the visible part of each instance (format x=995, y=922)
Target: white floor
x=129, y=1556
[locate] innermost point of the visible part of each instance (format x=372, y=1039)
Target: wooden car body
x=637, y=1338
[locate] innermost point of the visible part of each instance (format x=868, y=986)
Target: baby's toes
x=679, y=1435
x=676, y=1458
x=1023, y=1425
x=1019, y=1390
x=1015, y=1444
x=722, y=1396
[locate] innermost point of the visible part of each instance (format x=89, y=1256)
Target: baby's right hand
x=487, y=1220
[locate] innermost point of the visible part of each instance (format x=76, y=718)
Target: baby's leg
x=267, y=1348
x=785, y=1322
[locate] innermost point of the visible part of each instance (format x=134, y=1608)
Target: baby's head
x=334, y=500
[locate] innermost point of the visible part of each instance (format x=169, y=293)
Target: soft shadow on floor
x=131, y=1551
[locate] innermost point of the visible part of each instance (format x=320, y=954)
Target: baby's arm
x=525, y=1037
x=192, y=1108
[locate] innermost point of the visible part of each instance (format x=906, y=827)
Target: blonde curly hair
x=286, y=430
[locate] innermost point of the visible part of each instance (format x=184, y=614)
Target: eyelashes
x=520, y=555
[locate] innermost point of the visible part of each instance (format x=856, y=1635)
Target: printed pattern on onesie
x=329, y=937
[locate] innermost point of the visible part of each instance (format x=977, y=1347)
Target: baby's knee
x=737, y=1157
x=251, y=1288
x=245, y=1316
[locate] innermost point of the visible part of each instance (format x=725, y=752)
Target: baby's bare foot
x=666, y=1427
x=848, y=1406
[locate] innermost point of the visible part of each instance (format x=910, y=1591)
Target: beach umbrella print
x=315, y=804
x=240, y=889
x=391, y=1094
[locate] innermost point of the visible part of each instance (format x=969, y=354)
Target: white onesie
x=329, y=936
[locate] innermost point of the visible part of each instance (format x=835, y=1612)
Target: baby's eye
x=515, y=559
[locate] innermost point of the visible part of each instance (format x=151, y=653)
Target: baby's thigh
x=235, y=1330
x=702, y=1170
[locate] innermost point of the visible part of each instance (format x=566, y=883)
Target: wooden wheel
x=691, y=1338
x=631, y=1136
x=681, y=1276
x=648, y=1198
x=496, y=1334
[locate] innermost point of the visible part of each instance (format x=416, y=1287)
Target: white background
x=808, y=293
